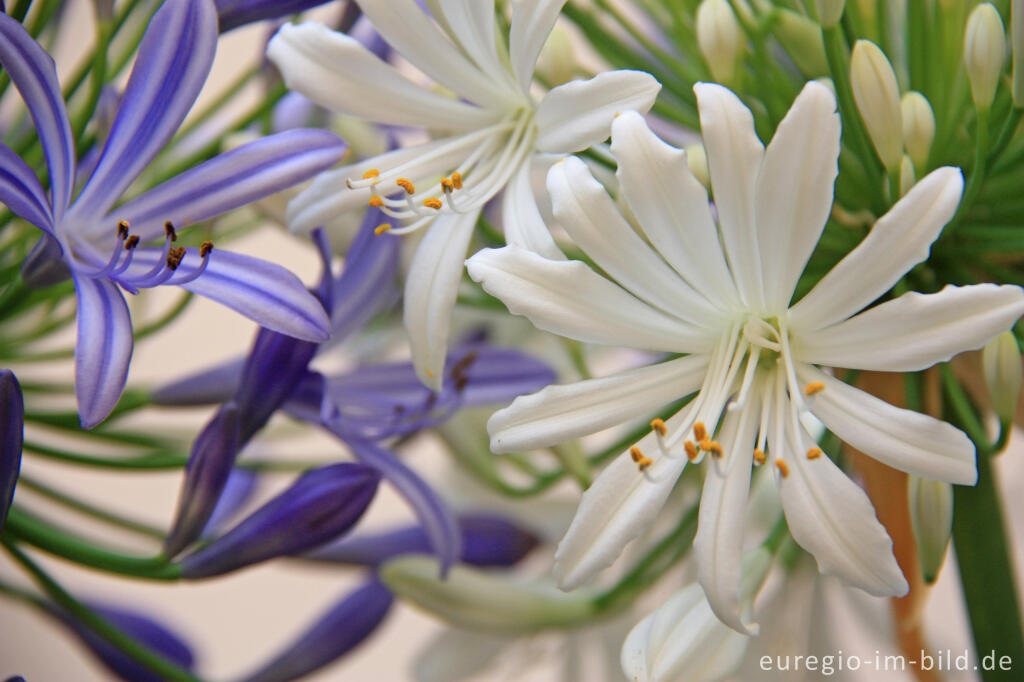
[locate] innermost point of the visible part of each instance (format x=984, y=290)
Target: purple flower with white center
x=99, y=245
x=321, y=505
x=12, y=427
x=339, y=630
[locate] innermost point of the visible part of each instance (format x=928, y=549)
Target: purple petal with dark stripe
x=103, y=349
x=235, y=13
x=321, y=505
x=21, y=192
x=487, y=540
x=235, y=178
x=264, y=292
x=276, y=365
x=44, y=265
x=436, y=518
x=173, y=62
x=34, y=75
x=12, y=429
x=335, y=633
x=206, y=474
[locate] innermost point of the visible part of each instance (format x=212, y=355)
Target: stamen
x=174, y=257
x=457, y=180
x=642, y=461
x=814, y=387
x=372, y=173
x=432, y=202
x=169, y=231
x=814, y=453
x=381, y=229
x=406, y=184
x=447, y=185
x=783, y=468
x=759, y=456
x=700, y=432
x=131, y=242
x=712, y=446
x=376, y=201
x=691, y=450
x=205, y=248
x=122, y=229
x=659, y=426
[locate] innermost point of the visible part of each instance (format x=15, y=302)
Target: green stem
x=977, y=173
x=961, y=405
x=77, y=504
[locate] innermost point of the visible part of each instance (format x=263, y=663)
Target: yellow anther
x=381, y=229
x=457, y=180
x=814, y=387
x=372, y=173
x=712, y=446
x=642, y=461
x=814, y=453
x=447, y=185
x=432, y=202
x=783, y=467
x=759, y=456
x=700, y=432
x=376, y=201
x=691, y=450
x=406, y=184
x=659, y=426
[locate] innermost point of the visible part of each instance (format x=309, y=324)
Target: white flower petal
x=532, y=22
x=521, y=218
x=898, y=241
x=579, y=114
x=617, y=507
x=471, y=23
x=588, y=214
x=431, y=288
x=903, y=439
x=415, y=36
x=336, y=71
x=832, y=518
x=915, y=331
x=562, y=412
x=734, y=158
x=672, y=208
x=794, y=190
x=570, y=299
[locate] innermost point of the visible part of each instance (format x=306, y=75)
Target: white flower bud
x=557, y=61
x=829, y=12
x=878, y=99
x=1001, y=363
x=697, y=160
x=907, y=177
x=485, y=601
x=720, y=38
x=801, y=38
x=931, y=518
x=1017, y=47
x=984, y=53
x=918, y=127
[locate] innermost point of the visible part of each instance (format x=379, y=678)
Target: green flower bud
x=918, y=127
x=829, y=12
x=697, y=160
x=557, y=62
x=720, y=38
x=984, y=53
x=907, y=177
x=878, y=99
x=801, y=38
x=1001, y=363
x=931, y=518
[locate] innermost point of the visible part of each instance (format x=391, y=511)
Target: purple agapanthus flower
x=100, y=244
x=12, y=428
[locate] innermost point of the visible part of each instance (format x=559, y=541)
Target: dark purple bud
x=321, y=505
x=211, y=386
x=339, y=630
x=44, y=265
x=16, y=678
x=235, y=13
x=276, y=365
x=142, y=628
x=239, y=489
x=206, y=474
x=12, y=423
x=486, y=541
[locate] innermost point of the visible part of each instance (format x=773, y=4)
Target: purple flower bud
x=142, y=628
x=319, y=506
x=239, y=489
x=12, y=427
x=234, y=13
x=206, y=474
x=276, y=365
x=339, y=630
x=486, y=541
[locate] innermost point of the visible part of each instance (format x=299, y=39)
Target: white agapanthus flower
x=721, y=295
x=494, y=128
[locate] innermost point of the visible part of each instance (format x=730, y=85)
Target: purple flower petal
x=173, y=62
x=319, y=506
x=264, y=292
x=12, y=428
x=233, y=179
x=434, y=515
x=213, y=385
x=339, y=630
x=206, y=474
x=21, y=192
x=241, y=486
x=235, y=13
x=276, y=365
x=33, y=73
x=103, y=349
x=44, y=265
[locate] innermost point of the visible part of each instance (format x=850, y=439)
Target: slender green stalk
x=89, y=509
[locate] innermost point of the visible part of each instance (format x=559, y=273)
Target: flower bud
x=697, y=160
x=557, y=61
x=321, y=505
x=878, y=100
x=720, y=38
x=907, y=177
x=931, y=518
x=918, y=127
x=479, y=600
x=984, y=53
x=829, y=12
x=1001, y=363
x=1017, y=48
x=339, y=630
x=801, y=38
x=12, y=423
